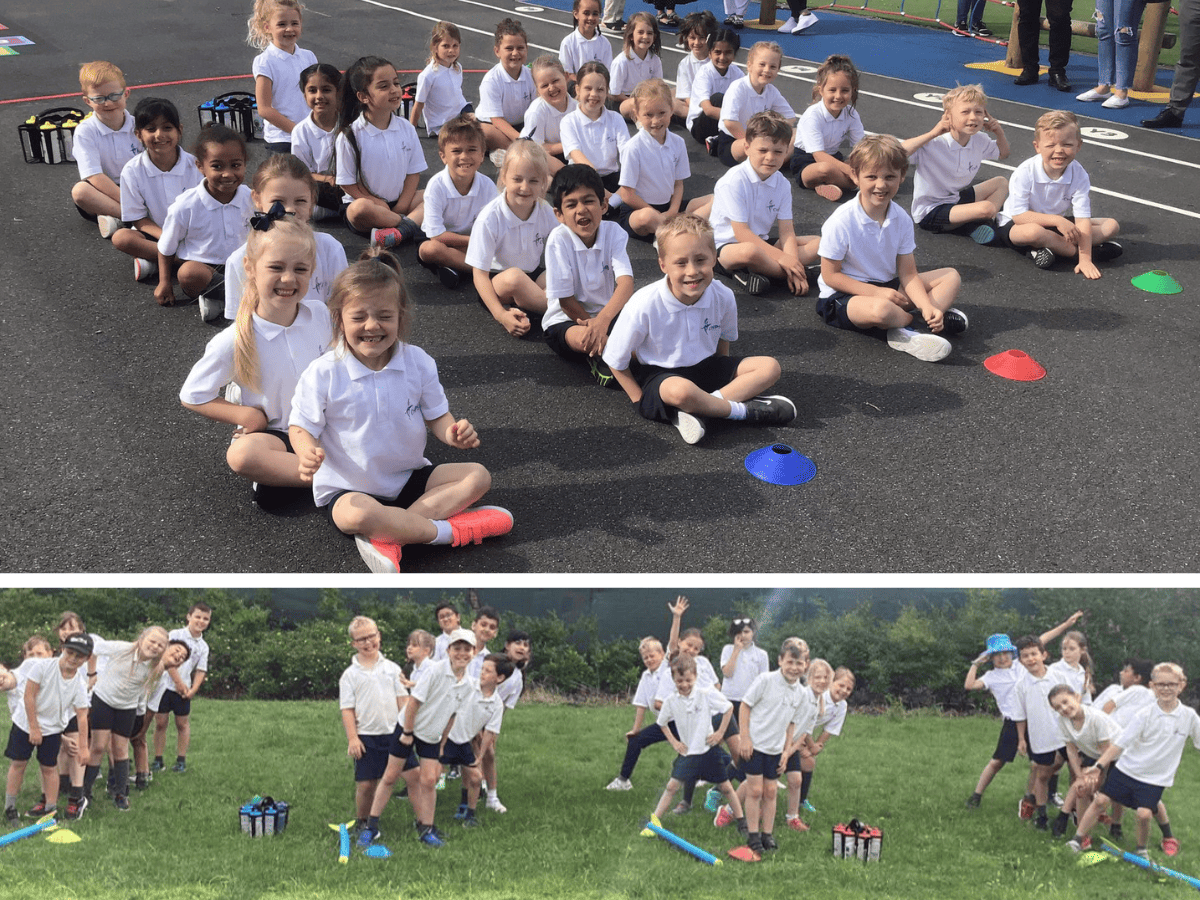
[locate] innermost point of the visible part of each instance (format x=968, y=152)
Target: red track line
x=159, y=84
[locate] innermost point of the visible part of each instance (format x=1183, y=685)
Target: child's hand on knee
x=515, y=321
x=310, y=461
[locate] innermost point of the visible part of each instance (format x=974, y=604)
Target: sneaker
x=11, y=816
x=768, y=841
x=713, y=145
x=961, y=29
x=925, y=347
x=1074, y=846
x=38, y=809
x=469, y=820
x=806, y=21
x=441, y=782
x=808, y=807
x=797, y=824
x=109, y=225
x=381, y=557
x=1170, y=846
x=454, y=772
x=1042, y=824
x=366, y=837
x=729, y=19
x=212, y=307
x=1115, y=102
x=1043, y=257
x=386, y=237
x=753, y=282
x=982, y=31
x=973, y=801
x=497, y=157
x=1057, y=799
x=954, y=321
x=617, y=26
x=494, y=804
x=1058, y=827
x=830, y=192
x=429, y=838
x=1142, y=852
x=786, y=27
x=141, y=781
x=156, y=766
x=121, y=802
x=743, y=829
x=1025, y=808
x=983, y=234
x=738, y=22
x=756, y=846
x=601, y=373
x=180, y=766
x=75, y=808
x=691, y=428
x=772, y=409
x=723, y=817
x=450, y=278
x=619, y=784
x=712, y=800
x=144, y=269
x=1106, y=250
x=681, y=808
x=473, y=525
x=461, y=813
x=1115, y=831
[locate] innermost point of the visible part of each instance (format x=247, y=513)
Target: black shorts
x=712, y=767
x=172, y=702
x=725, y=148
x=1049, y=758
x=72, y=726
x=612, y=181
x=1002, y=235
x=709, y=375
x=454, y=754
x=802, y=158
x=1006, y=746
x=19, y=748
x=329, y=196
x=621, y=214
x=832, y=310
x=764, y=764
x=278, y=146
x=371, y=765
x=937, y=219
x=412, y=491
x=1120, y=788
x=105, y=718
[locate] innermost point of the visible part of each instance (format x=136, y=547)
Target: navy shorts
x=832, y=310
x=712, y=767
x=105, y=718
x=172, y=702
x=72, y=726
x=454, y=754
x=371, y=765
x=709, y=375
x=278, y=146
x=937, y=219
x=1002, y=235
x=1006, y=746
x=764, y=764
x=802, y=158
x=621, y=214
x=792, y=763
x=19, y=747
x=1049, y=758
x=1130, y=792
x=725, y=149
x=412, y=491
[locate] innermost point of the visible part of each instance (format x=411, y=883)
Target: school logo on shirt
x=708, y=326
x=540, y=239
x=772, y=206
x=413, y=409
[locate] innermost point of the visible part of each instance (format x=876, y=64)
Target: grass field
x=564, y=835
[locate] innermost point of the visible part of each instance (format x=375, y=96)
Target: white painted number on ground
x=798, y=70
x=929, y=98
x=527, y=9
x=1103, y=134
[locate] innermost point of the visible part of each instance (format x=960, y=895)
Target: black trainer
x=768, y=841
x=753, y=282
x=450, y=278
x=771, y=409
x=1106, y=250
x=954, y=321
x=973, y=801
x=1043, y=257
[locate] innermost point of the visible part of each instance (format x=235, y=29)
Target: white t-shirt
x=499, y=240
x=650, y=685
x=147, y=192
x=99, y=149
x=820, y=130
x=372, y=693
x=589, y=274
x=600, y=139
x=197, y=661
x=448, y=210
x=16, y=697
x=1128, y=702
x=441, y=695
x=751, y=663
x=389, y=156
x=651, y=169
x=774, y=705
x=628, y=71
x=477, y=713
x=1076, y=677
x=742, y=102
x=202, y=229
x=122, y=683
x=706, y=677
x=284, y=352
x=1153, y=742
x=664, y=332
x=685, y=74
x=867, y=249
x=1097, y=728
x=510, y=688
x=369, y=447
x=834, y=716
x=440, y=89
x=1033, y=708
x=283, y=70
x=1031, y=189
x=543, y=123
x=741, y=195
x=504, y=97
x=314, y=146
x=1003, y=685
x=693, y=716
x=331, y=259
x=709, y=81
x=575, y=50
x=58, y=698
x=944, y=167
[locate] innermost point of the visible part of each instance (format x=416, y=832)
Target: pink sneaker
x=830, y=192
x=473, y=525
x=381, y=557
x=387, y=237
x=797, y=824
x=724, y=817
x=1170, y=846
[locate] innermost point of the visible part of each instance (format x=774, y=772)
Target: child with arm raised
x=274, y=27
x=1001, y=679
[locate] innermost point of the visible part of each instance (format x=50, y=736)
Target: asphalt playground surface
x=942, y=468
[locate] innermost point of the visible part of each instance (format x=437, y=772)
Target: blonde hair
x=422, y=638
x=819, y=663
x=245, y=351
x=877, y=151
x=964, y=93
x=799, y=642
x=98, y=72
x=36, y=640
x=1053, y=121
x=764, y=47
x=651, y=89
x=548, y=61
x=841, y=673
x=256, y=25
x=376, y=268
x=683, y=223
x=441, y=31
x=682, y=664
x=529, y=151
x=648, y=642
x=359, y=622
x=1174, y=668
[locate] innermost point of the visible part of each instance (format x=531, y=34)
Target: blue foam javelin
x=1147, y=864
x=702, y=855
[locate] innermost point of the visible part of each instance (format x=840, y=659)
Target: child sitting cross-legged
x=680, y=329
x=104, y=142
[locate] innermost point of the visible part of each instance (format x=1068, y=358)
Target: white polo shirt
x=372, y=693
x=200, y=228
x=1096, y=729
x=371, y=424
x=685, y=74
x=441, y=695
x=751, y=663
x=440, y=644
x=147, y=192
x=575, y=50
x=331, y=259
x=389, y=156
x=774, y=705
x=867, y=249
x=651, y=168
x=1031, y=189
x=741, y=195
x=945, y=167
x=58, y=698
x=504, y=97
x=510, y=688
x=834, y=716
x=628, y=71
x=742, y=101
x=650, y=684
x=664, y=332
x=1153, y=742
x=197, y=661
x=478, y=713
x=440, y=89
x=543, y=123
x=314, y=146
x=122, y=682
x=1128, y=702
x=283, y=69
x=706, y=677
x=693, y=715
x=1003, y=685
x=99, y=149
x=600, y=139
x=1076, y=677
x=16, y=697
x=284, y=352
x=499, y=240
x=589, y=274
x=448, y=210
x=820, y=130
x=709, y=81
x=1034, y=709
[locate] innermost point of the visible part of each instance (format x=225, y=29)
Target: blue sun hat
x=999, y=643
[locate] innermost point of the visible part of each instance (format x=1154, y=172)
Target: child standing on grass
x=507, y=89
x=485, y=627
x=439, y=86
x=366, y=461
x=314, y=138
x=593, y=135
x=1001, y=679
x=179, y=702
x=948, y=157
x=693, y=709
x=585, y=43
x=104, y=142
x=1037, y=730
x=1130, y=693
x=176, y=655
x=151, y=181
x=836, y=686
x=12, y=683
x=1144, y=760
x=449, y=621
x=638, y=61
x=379, y=158
x=1087, y=733
x=1075, y=667
x=543, y=119
x=693, y=37
x=830, y=119
x=55, y=691
x=742, y=661
x=274, y=28
x=371, y=695
x=419, y=652
x=473, y=734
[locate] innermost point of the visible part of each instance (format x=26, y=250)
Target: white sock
x=492, y=795
x=736, y=410
x=445, y=534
